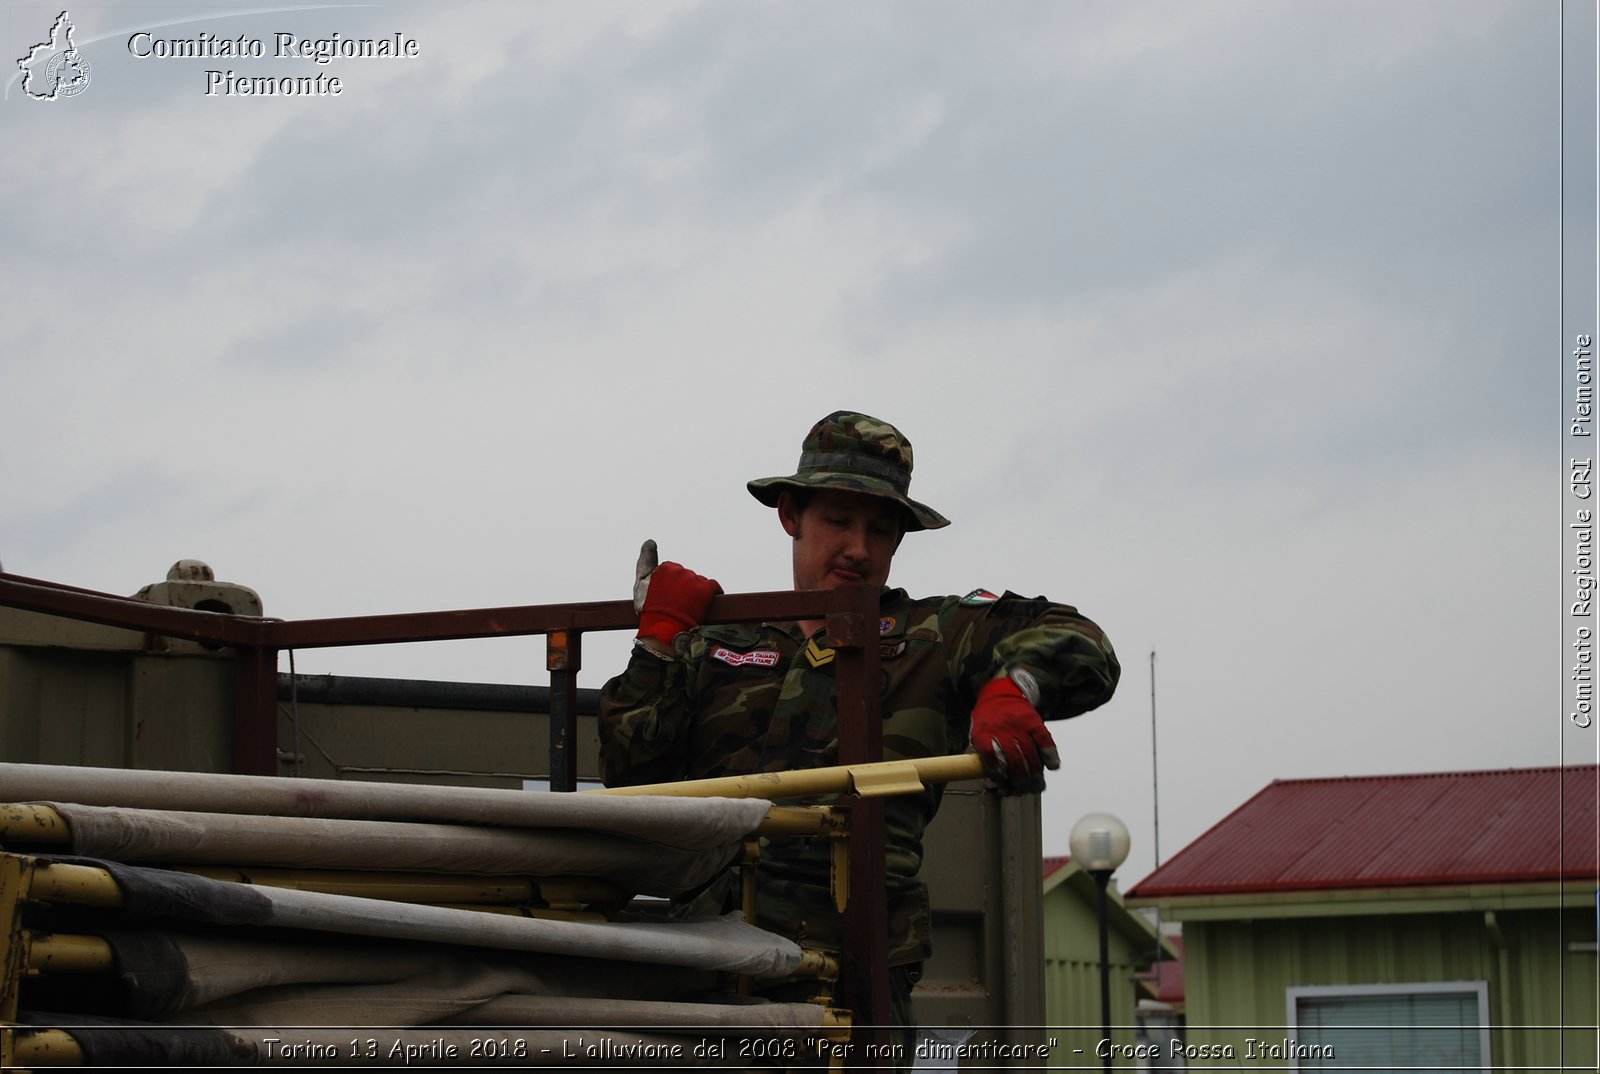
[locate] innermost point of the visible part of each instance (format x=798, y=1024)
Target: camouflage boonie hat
x=854, y=453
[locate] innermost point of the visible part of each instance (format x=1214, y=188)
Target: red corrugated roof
x=1506, y=826
x=1051, y=863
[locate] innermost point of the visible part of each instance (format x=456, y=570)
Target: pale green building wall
x=1237, y=974
x=1072, y=978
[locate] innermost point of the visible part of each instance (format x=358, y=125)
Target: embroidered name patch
x=764, y=658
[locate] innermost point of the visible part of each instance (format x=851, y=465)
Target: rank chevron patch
x=817, y=655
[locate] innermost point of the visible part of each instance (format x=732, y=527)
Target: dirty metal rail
x=53, y=598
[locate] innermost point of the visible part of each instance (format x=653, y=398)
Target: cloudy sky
x=1235, y=324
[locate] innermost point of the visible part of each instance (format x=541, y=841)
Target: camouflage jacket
x=743, y=699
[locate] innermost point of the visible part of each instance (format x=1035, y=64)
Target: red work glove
x=1009, y=735
x=676, y=600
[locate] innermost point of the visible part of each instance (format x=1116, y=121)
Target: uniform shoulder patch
x=817, y=655
x=979, y=596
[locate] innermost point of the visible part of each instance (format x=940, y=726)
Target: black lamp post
x=1099, y=844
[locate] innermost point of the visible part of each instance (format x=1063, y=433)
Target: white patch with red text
x=765, y=658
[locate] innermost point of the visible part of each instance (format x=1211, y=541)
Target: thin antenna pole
x=1155, y=803
x=1155, y=781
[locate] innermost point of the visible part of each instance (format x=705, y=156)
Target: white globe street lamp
x=1099, y=843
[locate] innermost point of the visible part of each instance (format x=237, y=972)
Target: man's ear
x=788, y=514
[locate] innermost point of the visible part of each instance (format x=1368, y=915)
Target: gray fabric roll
x=234, y=980
x=149, y=835
x=723, y=944
x=726, y=943
x=685, y=822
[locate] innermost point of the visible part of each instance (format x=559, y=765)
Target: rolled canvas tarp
x=152, y=835
x=172, y=976
x=725, y=944
x=167, y=975
x=681, y=822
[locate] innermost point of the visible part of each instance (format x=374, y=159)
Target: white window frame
x=1294, y=993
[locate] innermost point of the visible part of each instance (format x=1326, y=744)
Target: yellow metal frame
x=875, y=780
x=33, y=824
x=22, y=1046
x=57, y=952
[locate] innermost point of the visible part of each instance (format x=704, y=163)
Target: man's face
x=841, y=538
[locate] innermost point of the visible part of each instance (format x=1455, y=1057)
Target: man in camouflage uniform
x=703, y=701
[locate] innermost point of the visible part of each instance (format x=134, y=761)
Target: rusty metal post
x=853, y=634
x=255, y=711
x=563, y=658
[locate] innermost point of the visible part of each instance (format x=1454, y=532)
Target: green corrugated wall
x=1072, y=980
x=1237, y=973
